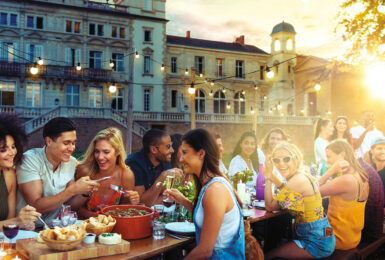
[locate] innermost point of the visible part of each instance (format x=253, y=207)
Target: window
x=173, y=65
x=72, y=27
x=117, y=99
x=277, y=45
x=122, y=33
x=118, y=60
x=219, y=67
x=35, y=22
x=8, y=51
x=34, y=51
x=147, y=65
x=13, y=20
x=199, y=64
x=4, y=19
x=72, y=95
x=219, y=102
x=72, y=56
x=289, y=68
x=174, y=98
x=96, y=29
x=33, y=95
x=147, y=99
x=95, y=60
x=95, y=97
x=239, y=72
x=8, y=19
x=239, y=103
x=7, y=93
x=147, y=36
x=200, y=102
x=147, y=5
x=114, y=32
x=289, y=44
x=261, y=72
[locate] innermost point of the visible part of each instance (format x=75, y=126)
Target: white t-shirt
x=35, y=166
x=237, y=164
x=222, y=167
x=319, y=149
x=370, y=137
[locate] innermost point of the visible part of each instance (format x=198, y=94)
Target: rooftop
x=283, y=27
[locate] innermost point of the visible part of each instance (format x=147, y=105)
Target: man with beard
x=378, y=158
x=150, y=165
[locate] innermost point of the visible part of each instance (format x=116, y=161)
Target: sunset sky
x=223, y=20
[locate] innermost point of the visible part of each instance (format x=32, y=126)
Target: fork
x=42, y=221
x=116, y=188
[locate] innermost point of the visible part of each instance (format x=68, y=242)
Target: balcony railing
x=121, y=116
x=10, y=68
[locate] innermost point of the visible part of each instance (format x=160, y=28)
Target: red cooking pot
x=134, y=227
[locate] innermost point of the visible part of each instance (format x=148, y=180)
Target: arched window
x=200, y=102
x=219, y=102
x=289, y=44
x=277, y=45
x=239, y=103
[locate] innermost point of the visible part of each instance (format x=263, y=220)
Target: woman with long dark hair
x=245, y=156
x=323, y=131
x=12, y=137
x=342, y=129
x=218, y=222
x=348, y=193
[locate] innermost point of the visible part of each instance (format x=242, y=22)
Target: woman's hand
x=133, y=196
x=268, y=167
x=340, y=166
x=175, y=195
x=28, y=215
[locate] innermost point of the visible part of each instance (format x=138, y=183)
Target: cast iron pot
x=135, y=227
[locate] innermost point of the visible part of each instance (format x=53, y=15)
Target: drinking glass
x=170, y=179
x=10, y=231
x=159, y=208
x=2, y=252
x=158, y=230
x=73, y=217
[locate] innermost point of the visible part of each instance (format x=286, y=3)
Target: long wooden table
x=261, y=214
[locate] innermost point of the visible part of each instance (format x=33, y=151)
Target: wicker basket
x=63, y=245
x=100, y=230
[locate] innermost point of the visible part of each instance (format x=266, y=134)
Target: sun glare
x=374, y=79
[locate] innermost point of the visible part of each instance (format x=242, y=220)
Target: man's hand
x=133, y=196
x=84, y=186
x=28, y=215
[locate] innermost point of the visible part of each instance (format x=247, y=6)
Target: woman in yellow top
x=348, y=193
x=315, y=238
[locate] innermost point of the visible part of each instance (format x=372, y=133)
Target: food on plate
x=110, y=238
x=100, y=221
x=70, y=233
x=127, y=212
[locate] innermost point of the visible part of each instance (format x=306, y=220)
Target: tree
x=363, y=27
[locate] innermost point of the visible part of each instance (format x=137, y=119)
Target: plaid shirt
x=374, y=210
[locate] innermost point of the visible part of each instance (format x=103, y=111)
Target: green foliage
x=244, y=176
x=363, y=28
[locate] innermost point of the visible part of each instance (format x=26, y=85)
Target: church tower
x=282, y=92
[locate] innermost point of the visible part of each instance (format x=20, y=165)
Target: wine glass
x=10, y=231
x=169, y=185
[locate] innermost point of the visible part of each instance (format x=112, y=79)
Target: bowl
x=63, y=245
x=132, y=227
x=99, y=230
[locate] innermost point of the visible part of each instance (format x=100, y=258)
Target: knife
x=174, y=236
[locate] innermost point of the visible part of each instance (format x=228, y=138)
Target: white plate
x=247, y=212
x=259, y=204
x=23, y=234
x=181, y=227
x=167, y=209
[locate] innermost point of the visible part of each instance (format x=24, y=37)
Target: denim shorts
x=316, y=238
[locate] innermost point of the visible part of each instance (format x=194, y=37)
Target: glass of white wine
x=170, y=179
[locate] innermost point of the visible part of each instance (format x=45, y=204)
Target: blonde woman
x=348, y=193
x=105, y=158
x=301, y=196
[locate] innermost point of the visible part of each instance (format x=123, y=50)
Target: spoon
x=42, y=221
x=116, y=188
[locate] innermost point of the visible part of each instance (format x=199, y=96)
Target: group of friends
x=39, y=181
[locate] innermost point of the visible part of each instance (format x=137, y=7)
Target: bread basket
x=63, y=245
x=101, y=229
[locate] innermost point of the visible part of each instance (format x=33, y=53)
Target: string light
x=317, y=87
x=241, y=99
x=112, y=88
x=201, y=75
x=40, y=61
x=264, y=97
x=137, y=55
x=224, y=90
x=211, y=93
x=243, y=92
x=34, y=69
x=256, y=87
x=186, y=72
x=212, y=83
x=162, y=67
x=78, y=67
x=228, y=105
x=112, y=64
x=252, y=111
x=279, y=107
x=191, y=89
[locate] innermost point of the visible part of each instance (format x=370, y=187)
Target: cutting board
x=40, y=251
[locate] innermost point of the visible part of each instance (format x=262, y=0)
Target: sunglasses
x=285, y=159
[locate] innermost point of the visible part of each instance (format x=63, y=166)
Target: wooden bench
x=343, y=255
x=366, y=249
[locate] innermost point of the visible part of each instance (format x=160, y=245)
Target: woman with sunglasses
x=348, y=193
x=301, y=196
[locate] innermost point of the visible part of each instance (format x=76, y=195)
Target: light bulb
x=191, y=89
x=112, y=64
x=317, y=87
x=243, y=92
x=78, y=67
x=211, y=93
x=137, y=55
x=212, y=83
x=228, y=105
x=270, y=74
x=34, y=69
x=162, y=67
x=224, y=90
x=252, y=111
x=279, y=107
x=201, y=75
x=40, y=61
x=186, y=72
x=112, y=88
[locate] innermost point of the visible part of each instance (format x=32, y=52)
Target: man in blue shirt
x=150, y=165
